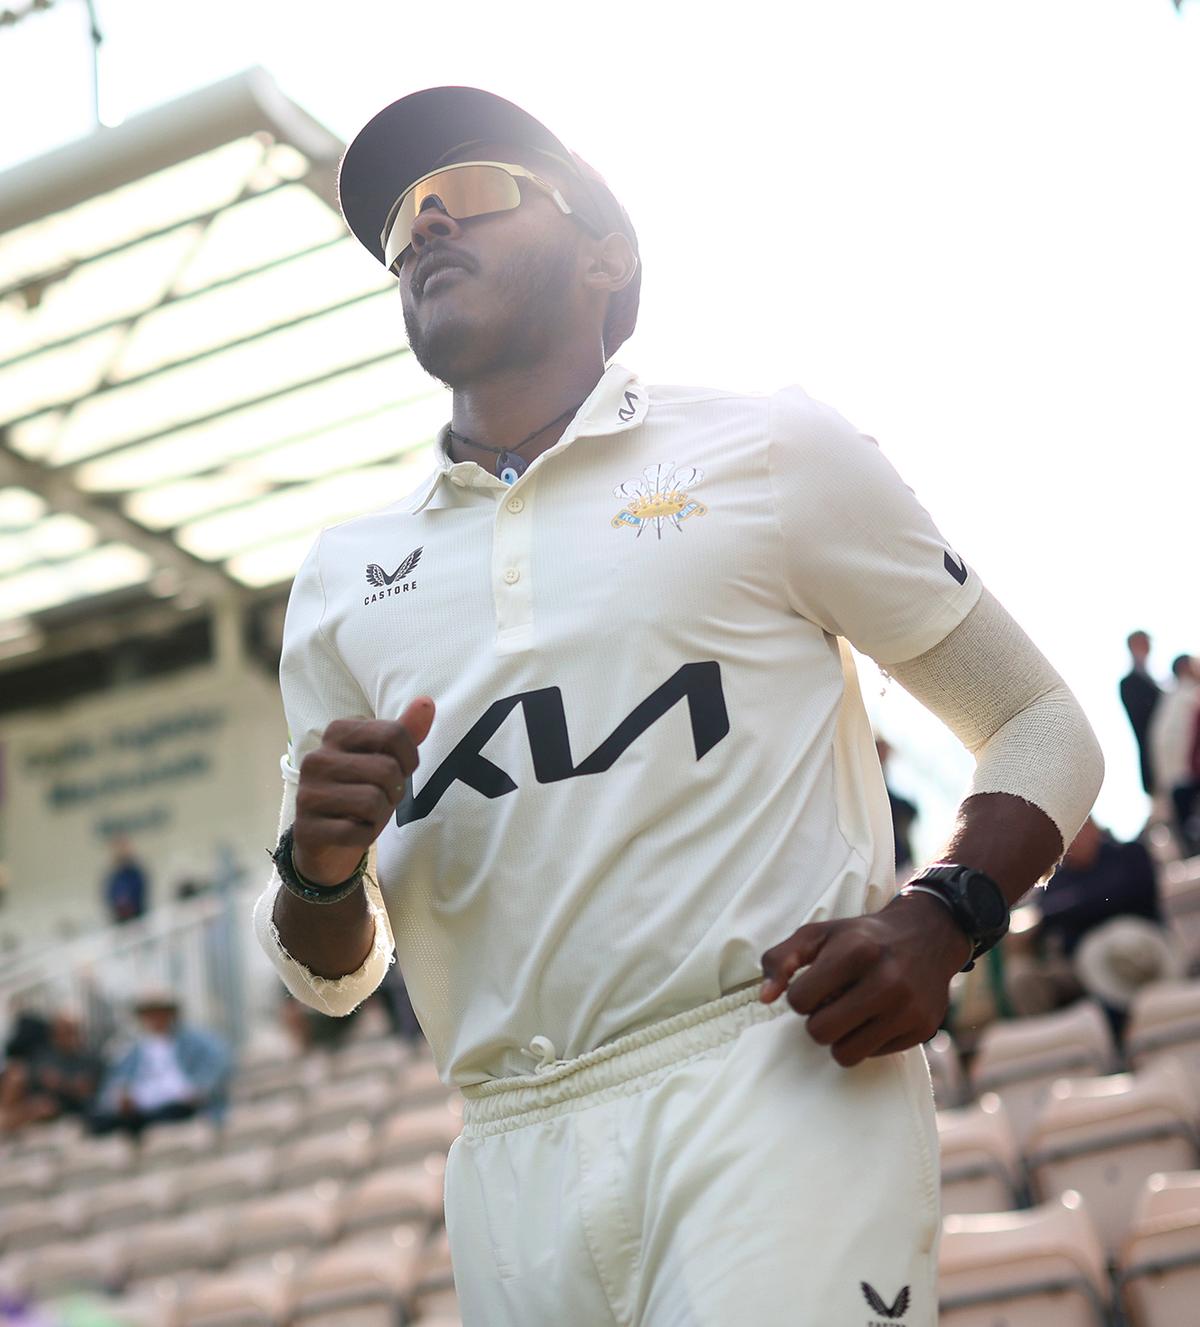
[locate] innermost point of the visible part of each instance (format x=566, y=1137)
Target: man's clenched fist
x=350, y=785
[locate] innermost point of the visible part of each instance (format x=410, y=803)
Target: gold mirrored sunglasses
x=466, y=189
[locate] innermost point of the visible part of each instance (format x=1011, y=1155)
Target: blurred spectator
x=1172, y=736
x=125, y=887
x=1099, y=878
x=61, y=1077
x=1140, y=693
x=171, y=1072
x=904, y=813
x=1114, y=961
x=392, y=993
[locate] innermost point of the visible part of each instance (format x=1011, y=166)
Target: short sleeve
x=862, y=558
x=316, y=685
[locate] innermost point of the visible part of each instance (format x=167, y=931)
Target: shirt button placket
x=511, y=560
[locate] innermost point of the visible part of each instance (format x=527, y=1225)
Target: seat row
x=387, y=1276
x=1048, y=1266
x=364, y=1129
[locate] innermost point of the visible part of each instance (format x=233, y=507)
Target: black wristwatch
x=974, y=899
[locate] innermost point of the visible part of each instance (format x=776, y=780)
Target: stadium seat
x=30, y=1224
x=253, y=1123
x=49, y=1139
x=343, y=1154
x=1179, y=899
x=360, y=1277
x=236, y=1299
x=132, y=1201
x=1103, y=1137
x=945, y=1068
x=1165, y=1019
x=434, y=1270
x=96, y=1264
x=196, y=1241
x=420, y=1084
x=1018, y=1060
x=292, y=1077
x=981, y=1165
x=436, y=1306
x=177, y=1142
x=93, y=1161
x=24, y=1179
x=393, y=1194
x=412, y=1134
x=289, y=1221
x=1158, y=1270
x=124, y=1311
x=336, y=1103
x=1039, y=1268
x=226, y=1179
x=369, y=1057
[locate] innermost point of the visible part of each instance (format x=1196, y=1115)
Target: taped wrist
x=999, y=695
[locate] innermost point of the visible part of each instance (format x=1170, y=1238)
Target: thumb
x=781, y=962
x=418, y=718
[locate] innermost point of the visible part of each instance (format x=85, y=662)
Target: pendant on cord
x=510, y=467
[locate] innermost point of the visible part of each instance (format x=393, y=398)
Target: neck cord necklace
x=510, y=466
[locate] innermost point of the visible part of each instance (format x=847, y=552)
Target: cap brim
x=409, y=137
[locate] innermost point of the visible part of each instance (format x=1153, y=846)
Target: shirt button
x=512, y=576
x=515, y=505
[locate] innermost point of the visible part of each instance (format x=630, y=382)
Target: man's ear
x=612, y=264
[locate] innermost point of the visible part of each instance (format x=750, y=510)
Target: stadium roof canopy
x=199, y=368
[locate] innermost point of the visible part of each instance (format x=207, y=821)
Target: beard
x=508, y=324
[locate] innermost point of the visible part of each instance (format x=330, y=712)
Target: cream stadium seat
x=1043, y=1267
x=226, y=1179
x=97, y=1160
x=387, y=1054
x=1179, y=899
x=177, y=1142
x=420, y=1084
x=292, y=1221
x=28, y=1225
x=197, y=1241
x=132, y=1201
x=49, y=1140
x=336, y=1103
x=412, y=1134
x=438, y=1306
x=1164, y=1019
x=410, y=1192
x=254, y=1123
x=236, y=1299
x=356, y=1280
x=945, y=1068
x=132, y=1312
x=1018, y=1060
x=340, y=1155
x=23, y=1179
x=434, y=1269
x=1158, y=1271
x=981, y=1163
x=96, y=1264
x=1104, y=1136
x=292, y=1077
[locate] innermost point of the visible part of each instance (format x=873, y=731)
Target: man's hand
x=349, y=787
x=874, y=985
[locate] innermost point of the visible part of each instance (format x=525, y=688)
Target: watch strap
x=304, y=889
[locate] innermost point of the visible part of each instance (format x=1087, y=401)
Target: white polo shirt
x=650, y=760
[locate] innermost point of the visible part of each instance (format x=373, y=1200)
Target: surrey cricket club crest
x=661, y=495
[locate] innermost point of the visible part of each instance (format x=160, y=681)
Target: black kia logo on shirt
x=699, y=684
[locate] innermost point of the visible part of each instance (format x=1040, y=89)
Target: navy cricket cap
x=412, y=136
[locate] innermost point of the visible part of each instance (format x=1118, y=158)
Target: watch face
x=986, y=902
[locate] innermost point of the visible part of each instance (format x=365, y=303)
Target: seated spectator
x=1099, y=878
x=171, y=1072
x=59, y=1079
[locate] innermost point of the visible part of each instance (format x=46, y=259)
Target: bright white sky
x=972, y=227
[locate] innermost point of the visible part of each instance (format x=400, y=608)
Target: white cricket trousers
x=715, y=1169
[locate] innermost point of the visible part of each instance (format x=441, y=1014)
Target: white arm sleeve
x=992, y=687
x=317, y=688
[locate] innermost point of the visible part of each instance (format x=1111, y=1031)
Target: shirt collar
x=616, y=403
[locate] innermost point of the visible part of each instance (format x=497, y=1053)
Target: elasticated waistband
x=628, y=1064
